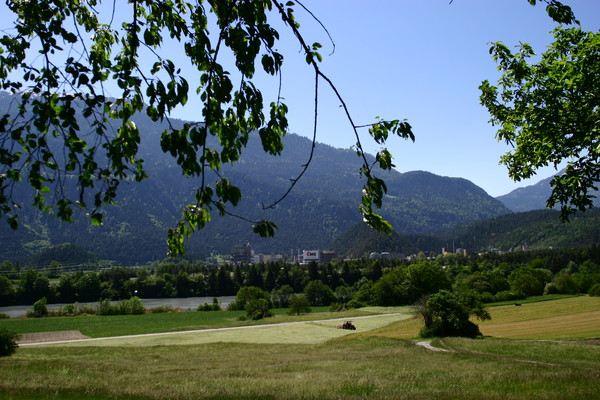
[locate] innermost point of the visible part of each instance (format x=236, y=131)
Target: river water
x=185, y=304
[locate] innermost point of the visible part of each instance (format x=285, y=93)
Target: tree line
x=493, y=277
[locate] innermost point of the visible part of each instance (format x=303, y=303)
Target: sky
x=420, y=60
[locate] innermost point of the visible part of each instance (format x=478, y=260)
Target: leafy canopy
x=549, y=112
x=72, y=144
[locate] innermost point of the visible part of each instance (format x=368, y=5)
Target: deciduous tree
x=548, y=111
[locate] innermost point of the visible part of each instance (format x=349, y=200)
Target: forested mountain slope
x=323, y=205
x=538, y=229
x=533, y=197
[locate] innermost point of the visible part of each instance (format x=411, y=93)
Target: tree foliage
x=62, y=57
x=8, y=342
x=299, y=304
x=447, y=314
x=549, y=112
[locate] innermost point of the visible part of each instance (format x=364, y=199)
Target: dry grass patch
x=575, y=317
x=288, y=333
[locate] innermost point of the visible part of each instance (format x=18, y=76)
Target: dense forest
x=364, y=281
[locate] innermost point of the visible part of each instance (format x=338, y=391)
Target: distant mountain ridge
x=322, y=206
x=536, y=229
x=533, y=197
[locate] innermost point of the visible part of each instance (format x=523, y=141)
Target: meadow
x=380, y=360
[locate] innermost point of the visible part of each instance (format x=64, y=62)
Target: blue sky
x=422, y=60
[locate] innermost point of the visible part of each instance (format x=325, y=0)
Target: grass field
x=377, y=362
x=119, y=325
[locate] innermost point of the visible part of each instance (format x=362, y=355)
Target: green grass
x=377, y=368
x=571, y=317
x=119, y=325
x=375, y=363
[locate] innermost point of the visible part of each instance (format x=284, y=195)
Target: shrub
x=161, y=309
x=4, y=316
x=247, y=294
x=125, y=307
x=8, y=342
x=595, y=290
x=209, y=307
x=550, y=289
x=258, y=309
x=215, y=306
x=132, y=306
x=39, y=308
x=508, y=295
x=69, y=309
x=105, y=307
x=355, y=304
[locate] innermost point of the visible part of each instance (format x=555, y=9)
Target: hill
x=323, y=205
x=538, y=229
x=532, y=197
x=360, y=240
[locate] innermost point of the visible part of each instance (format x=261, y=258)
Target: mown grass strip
x=290, y=333
x=120, y=325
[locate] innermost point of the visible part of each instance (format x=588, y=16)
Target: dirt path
x=428, y=346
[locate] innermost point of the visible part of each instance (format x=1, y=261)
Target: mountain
x=322, y=206
x=532, y=197
x=360, y=240
x=537, y=229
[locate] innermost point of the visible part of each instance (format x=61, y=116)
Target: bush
x=258, y=309
x=247, y=294
x=507, y=295
x=105, y=307
x=4, y=316
x=595, y=290
x=39, y=308
x=8, y=342
x=69, y=309
x=209, y=307
x=551, y=289
x=215, y=306
x=355, y=304
x=125, y=307
x=132, y=306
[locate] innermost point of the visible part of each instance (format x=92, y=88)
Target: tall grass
x=375, y=364
x=368, y=367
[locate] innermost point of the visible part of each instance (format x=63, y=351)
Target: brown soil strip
x=42, y=337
